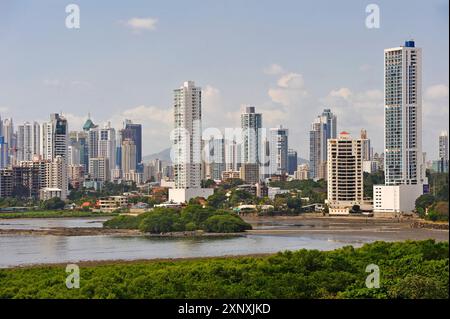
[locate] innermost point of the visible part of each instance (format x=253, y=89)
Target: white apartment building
x=99, y=168
x=107, y=144
x=186, y=138
x=57, y=176
x=404, y=160
x=345, y=174
x=28, y=141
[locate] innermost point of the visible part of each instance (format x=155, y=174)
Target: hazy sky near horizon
x=288, y=58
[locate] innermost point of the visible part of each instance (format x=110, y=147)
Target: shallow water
x=47, y=223
x=24, y=250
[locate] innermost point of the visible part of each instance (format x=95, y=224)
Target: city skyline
x=289, y=82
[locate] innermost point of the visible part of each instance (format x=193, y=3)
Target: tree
x=218, y=199
x=424, y=201
x=225, y=224
x=53, y=203
x=295, y=204
x=21, y=191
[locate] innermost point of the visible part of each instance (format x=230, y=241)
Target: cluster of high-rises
x=41, y=160
x=248, y=152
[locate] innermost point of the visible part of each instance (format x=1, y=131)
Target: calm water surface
x=18, y=250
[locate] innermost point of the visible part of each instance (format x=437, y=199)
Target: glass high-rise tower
x=404, y=160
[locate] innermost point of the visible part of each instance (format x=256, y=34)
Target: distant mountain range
x=164, y=156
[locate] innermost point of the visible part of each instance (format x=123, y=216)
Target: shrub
x=225, y=224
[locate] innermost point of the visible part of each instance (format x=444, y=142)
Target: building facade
x=345, y=173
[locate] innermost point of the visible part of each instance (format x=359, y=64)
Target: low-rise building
x=49, y=193
x=389, y=200
x=112, y=203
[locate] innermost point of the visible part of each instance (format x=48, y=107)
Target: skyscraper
x=128, y=156
x=403, y=115
x=28, y=141
x=8, y=138
x=323, y=128
x=215, y=157
x=54, y=137
x=251, y=123
x=134, y=132
x=442, y=165
x=186, y=138
x=330, y=121
x=278, y=150
x=4, y=153
x=404, y=161
x=366, y=148
x=443, y=146
x=79, y=140
x=107, y=144
x=54, y=149
x=292, y=161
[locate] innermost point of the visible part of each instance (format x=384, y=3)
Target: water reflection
x=21, y=250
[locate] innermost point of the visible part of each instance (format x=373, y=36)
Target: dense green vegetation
x=53, y=214
x=316, y=191
x=407, y=270
x=192, y=217
x=369, y=180
x=434, y=206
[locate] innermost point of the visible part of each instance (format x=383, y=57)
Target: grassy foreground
x=407, y=270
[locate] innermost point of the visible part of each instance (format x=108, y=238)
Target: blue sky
x=288, y=58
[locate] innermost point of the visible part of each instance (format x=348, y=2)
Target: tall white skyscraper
x=186, y=137
x=28, y=141
x=251, y=124
x=404, y=161
x=404, y=164
x=107, y=144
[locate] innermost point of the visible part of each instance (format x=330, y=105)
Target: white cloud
x=366, y=68
x=291, y=81
x=274, y=69
x=438, y=91
x=357, y=110
x=142, y=24
x=289, y=91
